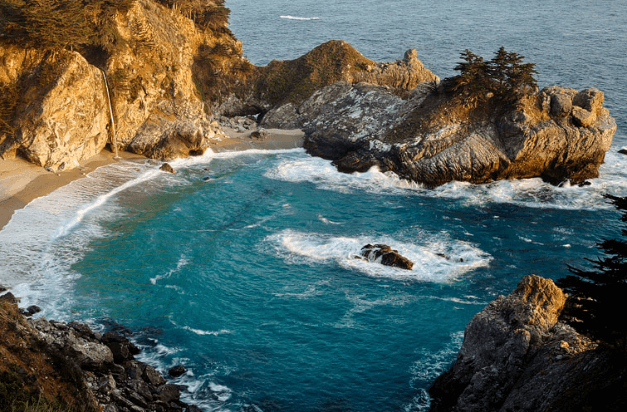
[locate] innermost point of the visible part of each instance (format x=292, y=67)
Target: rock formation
x=60, y=114
x=170, y=68
x=69, y=364
x=387, y=256
x=518, y=356
x=433, y=138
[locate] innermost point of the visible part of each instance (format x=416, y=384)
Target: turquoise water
x=248, y=278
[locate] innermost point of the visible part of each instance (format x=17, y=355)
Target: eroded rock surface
x=556, y=134
x=518, y=356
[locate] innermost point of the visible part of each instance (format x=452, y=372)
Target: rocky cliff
x=518, y=356
x=433, y=137
x=67, y=366
x=171, y=68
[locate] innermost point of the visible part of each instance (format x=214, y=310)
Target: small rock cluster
x=117, y=381
x=240, y=124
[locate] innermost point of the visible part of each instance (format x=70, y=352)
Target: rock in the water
x=623, y=151
x=387, y=256
x=167, y=168
x=31, y=310
x=176, y=371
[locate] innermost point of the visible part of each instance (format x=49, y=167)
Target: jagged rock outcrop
x=518, y=356
x=68, y=362
x=433, y=138
x=276, y=90
x=59, y=113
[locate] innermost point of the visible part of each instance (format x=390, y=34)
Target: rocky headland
x=519, y=355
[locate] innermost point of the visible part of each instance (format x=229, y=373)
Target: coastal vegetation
x=596, y=304
x=504, y=77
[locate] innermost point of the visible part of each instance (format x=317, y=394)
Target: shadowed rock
x=387, y=256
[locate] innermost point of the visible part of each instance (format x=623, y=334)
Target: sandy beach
x=21, y=182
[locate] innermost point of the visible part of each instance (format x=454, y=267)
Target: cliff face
x=60, y=106
x=518, y=356
x=433, y=138
x=170, y=67
x=55, y=109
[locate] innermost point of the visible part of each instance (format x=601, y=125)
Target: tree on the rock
x=597, y=296
x=505, y=76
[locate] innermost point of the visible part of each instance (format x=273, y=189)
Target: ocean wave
x=533, y=193
x=428, y=367
x=182, y=262
x=437, y=260
x=299, y=18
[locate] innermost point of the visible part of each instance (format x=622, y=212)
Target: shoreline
x=21, y=182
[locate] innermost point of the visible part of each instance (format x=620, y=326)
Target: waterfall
x=113, y=139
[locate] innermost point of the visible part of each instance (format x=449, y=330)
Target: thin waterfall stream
x=113, y=138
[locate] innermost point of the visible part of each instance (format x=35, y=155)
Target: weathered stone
x=362, y=126
x=62, y=117
x=176, y=371
x=589, y=99
x=169, y=393
x=583, y=117
x=561, y=105
x=167, y=168
x=151, y=376
x=511, y=342
x=121, y=347
x=259, y=135
x=387, y=256
x=8, y=297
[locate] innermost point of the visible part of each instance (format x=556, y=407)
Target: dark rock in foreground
x=387, y=256
x=517, y=356
x=80, y=368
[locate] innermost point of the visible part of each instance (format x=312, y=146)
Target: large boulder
x=387, y=256
x=61, y=111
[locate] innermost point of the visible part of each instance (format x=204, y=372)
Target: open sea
x=248, y=279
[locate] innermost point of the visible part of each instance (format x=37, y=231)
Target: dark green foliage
x=70, y=24
x=9, y=95
x=597, y=295
x=505, y=76
x=14, y=395
x=211, y=15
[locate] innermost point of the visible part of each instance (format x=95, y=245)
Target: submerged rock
x=176, y=371
x=385, y=255
x=167, y=168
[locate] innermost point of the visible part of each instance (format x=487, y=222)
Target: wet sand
x=22, y=182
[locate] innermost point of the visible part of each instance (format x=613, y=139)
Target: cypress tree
x=597, y=294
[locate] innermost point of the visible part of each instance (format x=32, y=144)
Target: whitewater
x=241, y=265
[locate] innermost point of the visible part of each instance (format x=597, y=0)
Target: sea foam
x=439, y=259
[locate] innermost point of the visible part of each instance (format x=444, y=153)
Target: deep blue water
x=249, y=279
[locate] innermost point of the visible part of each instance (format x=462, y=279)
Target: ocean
x=241, y=266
